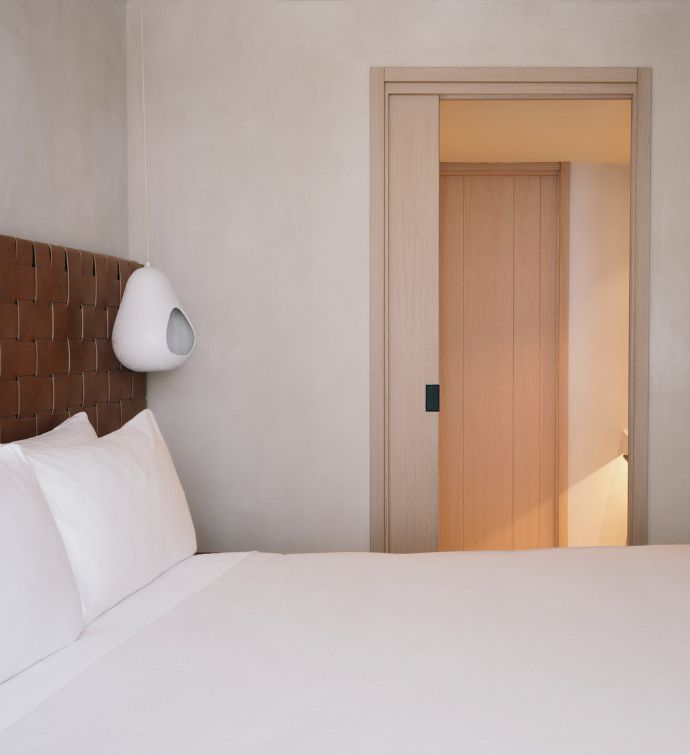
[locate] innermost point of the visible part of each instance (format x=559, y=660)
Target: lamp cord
x=143, y=118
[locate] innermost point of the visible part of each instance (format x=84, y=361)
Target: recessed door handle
x=433, y=398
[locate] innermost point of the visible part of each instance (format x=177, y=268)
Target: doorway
x=408, y=494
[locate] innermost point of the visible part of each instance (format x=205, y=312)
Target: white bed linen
x=24, y=692
x=120, y=508
x=558, y=651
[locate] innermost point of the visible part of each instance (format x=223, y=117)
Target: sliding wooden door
x=413, y=229
x=499, y=283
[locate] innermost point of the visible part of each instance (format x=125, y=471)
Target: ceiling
x=595, y=131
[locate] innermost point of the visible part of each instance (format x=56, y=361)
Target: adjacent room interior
x=507, y=329
x=533, y=322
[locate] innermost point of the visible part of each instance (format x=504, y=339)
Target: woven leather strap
x=57, y=309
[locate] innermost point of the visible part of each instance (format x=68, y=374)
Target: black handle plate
x=433, y=398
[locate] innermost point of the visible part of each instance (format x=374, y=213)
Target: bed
x=549, y=651
x=554, y=651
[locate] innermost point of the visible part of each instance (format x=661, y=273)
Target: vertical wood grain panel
x=451, y=365
x=499, y=358
x=413, y=241
x=526, y=309
x=488, y=359
x=548, y=361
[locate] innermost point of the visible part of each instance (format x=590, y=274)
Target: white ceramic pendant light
x=151, y=331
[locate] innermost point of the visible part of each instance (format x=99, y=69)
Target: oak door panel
x=451, y=524
x=498, y=360
x=526, y=377
x=488, y=361
x=548, y=360
x=413, y=233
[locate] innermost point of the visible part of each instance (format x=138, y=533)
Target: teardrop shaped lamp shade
x=152, y=331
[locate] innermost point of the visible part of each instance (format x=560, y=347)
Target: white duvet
x=558, y=651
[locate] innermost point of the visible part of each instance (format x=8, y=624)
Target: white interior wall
x=259, y=176
x=63, y=136
x=598, y=353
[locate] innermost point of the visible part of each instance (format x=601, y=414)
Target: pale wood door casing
x=631, y=83
x=499, y=281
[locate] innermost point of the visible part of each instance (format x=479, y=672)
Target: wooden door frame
x=634, y=84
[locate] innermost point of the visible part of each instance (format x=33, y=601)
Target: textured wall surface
x=259, y=151
x=63, y=134
x=598, y=354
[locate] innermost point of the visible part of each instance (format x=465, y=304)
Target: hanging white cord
x=143, y=118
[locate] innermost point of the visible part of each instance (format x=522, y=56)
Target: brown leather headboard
x=57, y=309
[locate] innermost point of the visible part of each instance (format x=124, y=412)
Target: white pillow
x=39, y=600
x=73, y=431
x=120, y=509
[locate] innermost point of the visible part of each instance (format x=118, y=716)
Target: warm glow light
x=601, y=498
x=593, y=131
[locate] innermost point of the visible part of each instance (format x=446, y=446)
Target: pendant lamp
x=151, y=331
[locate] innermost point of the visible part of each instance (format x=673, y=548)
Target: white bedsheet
x=25, y=691
x=558, y=652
